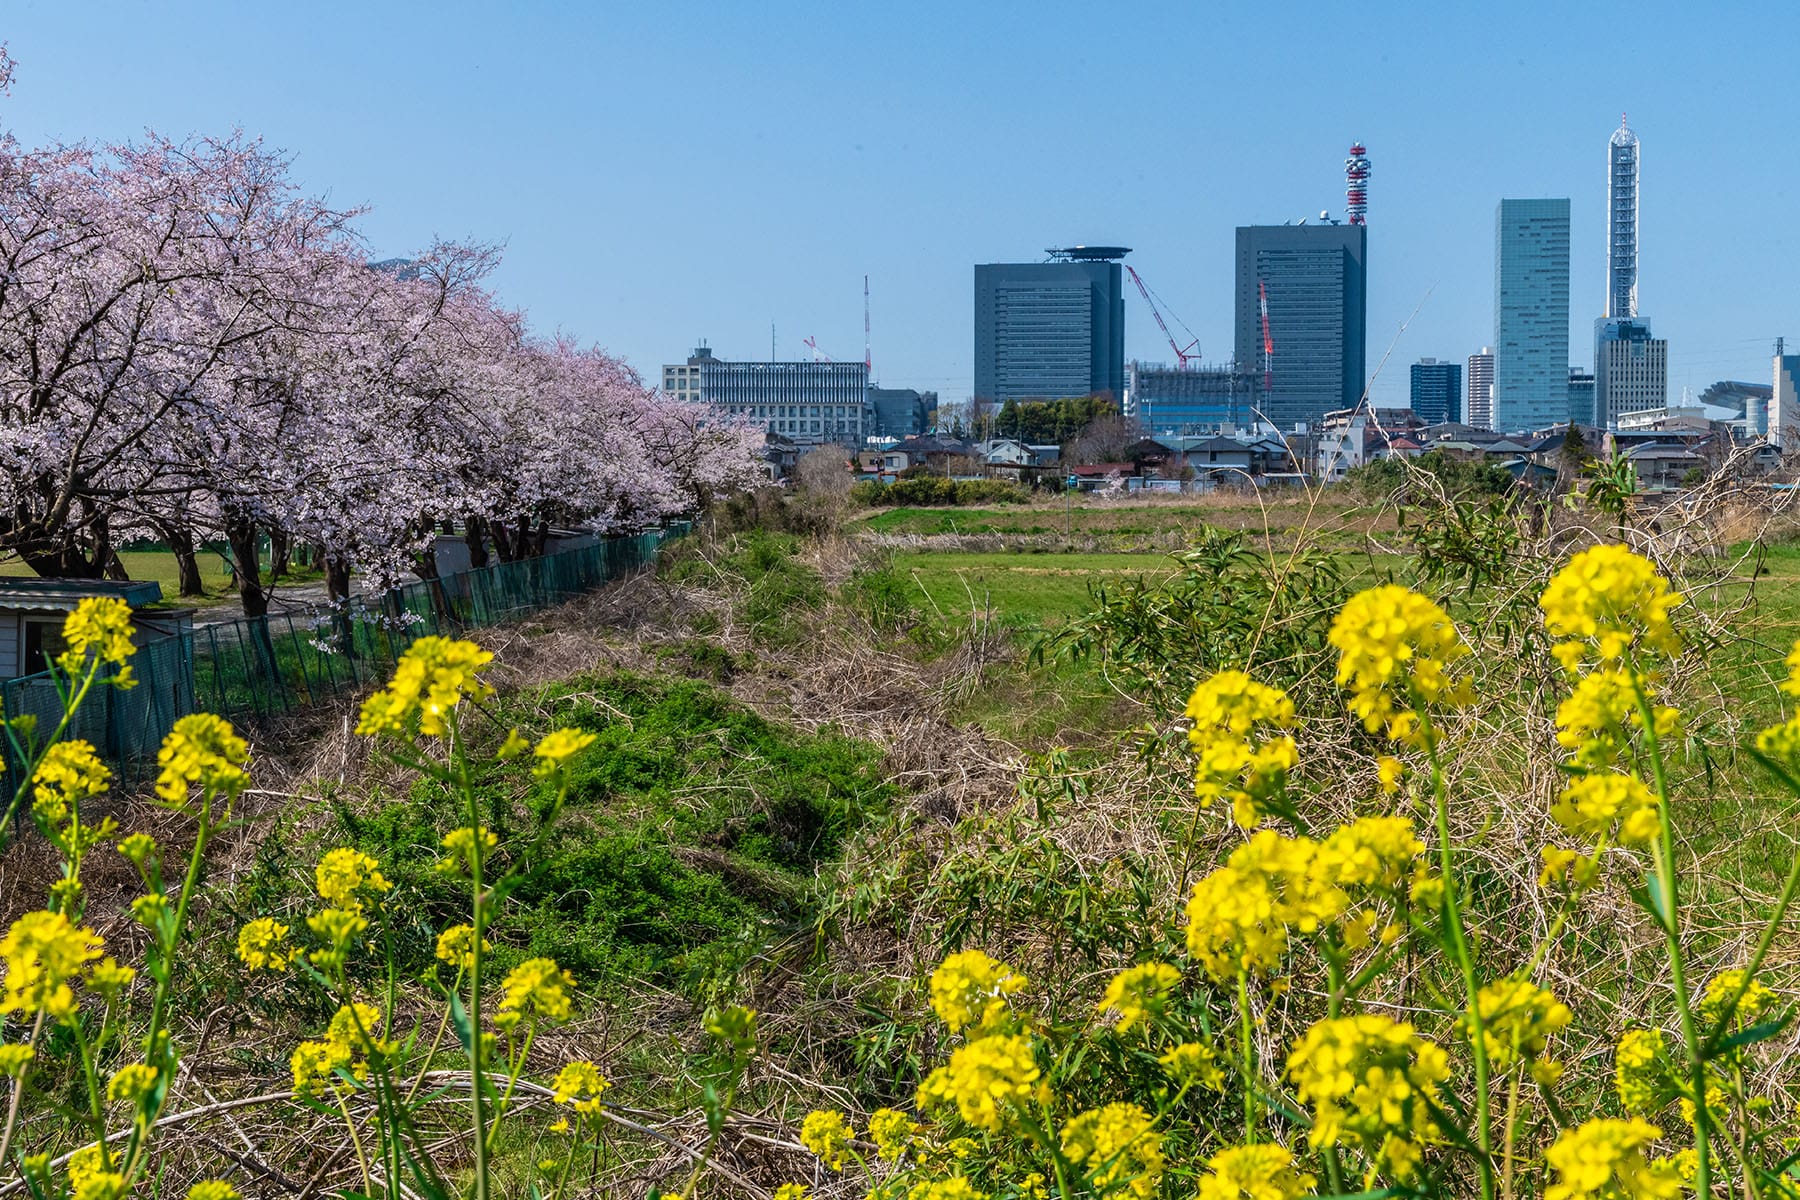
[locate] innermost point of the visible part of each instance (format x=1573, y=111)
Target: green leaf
x=1760, y=1032
x=459, y=1017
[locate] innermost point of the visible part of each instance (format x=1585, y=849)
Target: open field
x=158, y=565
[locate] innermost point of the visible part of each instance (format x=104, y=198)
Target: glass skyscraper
x=1313, y=279
x=1437, y=391
x=1050, y=331
x=1531, y=314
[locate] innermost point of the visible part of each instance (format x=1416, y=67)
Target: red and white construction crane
x=1262, y=296
x=818, y=354
x=1182, y=355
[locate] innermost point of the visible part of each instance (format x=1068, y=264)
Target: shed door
x=43, y=642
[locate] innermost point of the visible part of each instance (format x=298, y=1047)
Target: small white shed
x=32, y=613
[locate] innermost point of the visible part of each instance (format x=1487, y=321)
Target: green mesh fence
x=284, y=662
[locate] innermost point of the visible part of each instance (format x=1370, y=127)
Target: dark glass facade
x=1317, y=288
x=1048, y=331
x=1437, y=391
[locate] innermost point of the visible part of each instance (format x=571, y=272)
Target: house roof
x=1104, y=469
x=56, y=595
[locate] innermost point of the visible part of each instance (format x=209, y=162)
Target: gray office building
x=1531, y=314
x=1052, y=330
x=810, y=402
x=1437, y=391
x=899, y=412
x=1190, y=401
x=1311, y=351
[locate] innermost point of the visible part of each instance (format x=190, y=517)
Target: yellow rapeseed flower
x=987, y=1079
x=1121, y=1145
x=1643, y=1073
x=969, y=988
x=1192, y=1064
x=580, y=1085
x=1389, y=771
x=1518, y=1019
x=341, y=929
x=1368, y=1080
x=201, y=750
x=1752, y=998
x=456, y=946
x=101, y=624
x=1139, y=993
x=345, y=876
x=1259, y=1172
x=131, y=1082
x=42, y=952
x=350, y=1039
x=262, y=945
x=1590, y=805
x=1242, y=743
x=827, y=1134
x=1395, y=648
x=1238, y=915
x=893, y=1132
x=956, y=1187
x=14, y=1058
x=69, y=773
x=460, y=847
x=1606, y=1160
x=108, y=978
x=433, y=676
x=558, y=747
x=792, y=1191
x=1606, y=603
x=213, y=1189
x=1598, y=717
x=537, y=989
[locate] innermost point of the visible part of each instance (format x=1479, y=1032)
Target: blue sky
x=663, y=172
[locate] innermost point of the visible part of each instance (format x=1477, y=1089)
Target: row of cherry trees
x=191, y=349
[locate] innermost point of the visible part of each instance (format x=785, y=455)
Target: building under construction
x=1190, y=399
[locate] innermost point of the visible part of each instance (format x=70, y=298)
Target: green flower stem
x=477, y=1077
x=72, y=700
x=1663, y=853
x=1465, y=960
x=515, y=1068
x=1248, y=1052
x=18, y=1091
x=1789, y=887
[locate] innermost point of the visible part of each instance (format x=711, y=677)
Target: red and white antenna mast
x=1262, y=296
x=1356, y=184
x=868, y=361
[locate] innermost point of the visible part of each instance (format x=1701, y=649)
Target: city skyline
x=594, y=179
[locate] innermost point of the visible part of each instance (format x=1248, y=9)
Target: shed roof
x=62, y=594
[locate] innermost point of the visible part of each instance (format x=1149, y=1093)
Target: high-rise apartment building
x=1437, y=391
x=1478, y=406
x=1631, y=369
x=810, y=402
x=1531, y=314
x=1301, y=314
x=1581, y=397
x=1052, y=330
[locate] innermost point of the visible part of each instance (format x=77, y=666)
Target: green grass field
x=158, y=565
x=1020, y=589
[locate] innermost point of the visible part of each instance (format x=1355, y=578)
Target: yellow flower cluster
x=213, y=1189
x=262, y=945
x=345, y=877
x=1241, y=740
x=90, y=1178
x=1752, y=998
x=433, y=676
x=1518, y=1019
x=580, y=1085
x=1606, y=1160
x=537, y=989
x=69, y=773
x=101, y=624
x=1606, y=603
x=957, y=1187
x=1598, y=716
x=1783, y=740
x=131, y=1083
x=1261, y=1172
x=1370, y=1082
x=456, y=947
x=1121, y=1145
x=460, y=847
x=1239, y=915
x=1192, y=1064
x=1139, y=993
x=827, y=1134
x=969, y=988
x=1591, y=805
x=792, y=1191
x=987, y=1079
x=553, y=753
x=894, y=1133
x=43, y=951
x=14, y=1058
x=349, y=1041
x=1641, y=1071
x=201, y=750
x=1395, y=648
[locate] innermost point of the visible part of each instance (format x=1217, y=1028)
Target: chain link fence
x=254, y=668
